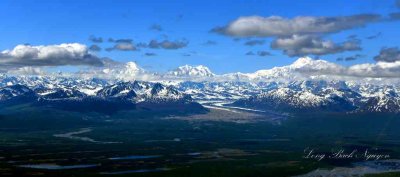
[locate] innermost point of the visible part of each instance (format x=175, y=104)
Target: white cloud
x=250, y=26
x=166, y=44
x=381, y=70
x=48, y=55
x=302, y=35
x=27, y=70
x=123, y=47
x=303, y=68
x=302, y=45
x=119, y=71
x=388, y=55
x=378, y=70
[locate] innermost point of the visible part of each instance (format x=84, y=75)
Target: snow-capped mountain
x=338, y=96
x=293, y=87
x=222, y=90
x=59, y=93
x=103, y=97
x=138, y=91
x=333, y=96
x=384, y=99
x=302, y=69
x=16, y=92
x=191, y=71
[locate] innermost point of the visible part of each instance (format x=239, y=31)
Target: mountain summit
x=192, y=71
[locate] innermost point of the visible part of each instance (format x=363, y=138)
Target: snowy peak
x=303, y=61
x=132, y=67
x=332, y=96
x=61, y=94
x=302, y=69
x=16, y=91
x=129, y=71
x=119, y=71
x=133, y=92
x=299, y=95
x=307, y=63
x=192, y=71
x=140, y=91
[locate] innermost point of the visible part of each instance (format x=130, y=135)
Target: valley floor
x=220, y=112
x=226, y=141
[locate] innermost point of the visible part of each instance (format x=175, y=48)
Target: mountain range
x=296, y=87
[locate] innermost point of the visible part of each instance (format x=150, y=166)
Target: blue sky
x=55, y=22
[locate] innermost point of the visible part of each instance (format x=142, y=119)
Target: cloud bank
x=73, y=54
x=276, y=26
x=166, y=44
x=350, y=58
x=388, y=55
x=27, y=70
x=123, y=47
x=302, y=45
x=302, y=35
x=379, y=70
x=96, y=39
x=254, y=42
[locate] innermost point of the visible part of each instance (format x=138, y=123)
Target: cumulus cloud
x=166, y=44
x=122, y=71
x=95, y=48
x=391, y=54
x=123, y=47
x=49, y=55
x=120, y=40
x=312, y=67
x=301, y=45
x=302, y=35
x=156, y=27
x=260, y=53
x=96, y=39
x=254, y=42
x=108, y=62
x=263, y=53
x=378, y=70
x=273, y=26
x=350, y=58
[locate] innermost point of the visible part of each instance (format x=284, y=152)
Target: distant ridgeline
x=333, y=96
x=100, y=95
